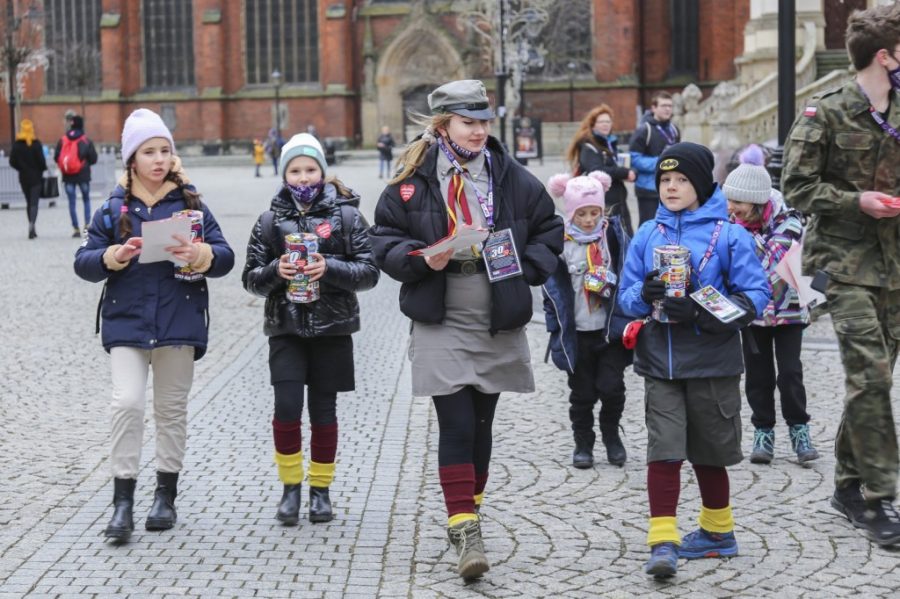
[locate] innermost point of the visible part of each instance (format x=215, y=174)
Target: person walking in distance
x=595, y=148
x=75, y=153
x=154, y=315
x=583, y=317
x=468, y=306
x=259, y=155
x=309, y=332
x=27, y=157
x=385, y=146
x=654, y=133
x=840, y=168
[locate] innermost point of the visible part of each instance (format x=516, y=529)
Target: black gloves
x=680, y=309
x=654, y=288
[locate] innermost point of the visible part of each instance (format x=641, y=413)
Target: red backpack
x=70, y=163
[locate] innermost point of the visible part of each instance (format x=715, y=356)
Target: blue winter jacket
x=144, y=305
x=706, y=347
x=559, y=304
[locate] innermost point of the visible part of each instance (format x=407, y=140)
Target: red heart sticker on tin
x=406, y=191
x=324, y=230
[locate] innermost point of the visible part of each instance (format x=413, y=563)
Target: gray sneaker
x=763, y=446
x=466, y=538
x=802, y=444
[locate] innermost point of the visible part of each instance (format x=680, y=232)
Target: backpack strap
x=649, y=134
x=106, y=218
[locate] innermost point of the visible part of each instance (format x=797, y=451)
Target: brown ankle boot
x=466, y=538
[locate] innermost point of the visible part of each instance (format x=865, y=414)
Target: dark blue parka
x=694, y=349
x=144, y=305
x=559, y=303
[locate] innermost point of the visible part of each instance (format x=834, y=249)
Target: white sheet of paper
x=157, y=235
x=790, y=268
x=463, y=238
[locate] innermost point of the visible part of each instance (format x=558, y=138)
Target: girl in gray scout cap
x=154, y=314
x=468, y=342
x=691, y=360
x=777, y=335
x=309, y=343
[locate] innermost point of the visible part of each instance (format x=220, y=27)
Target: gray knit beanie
x=748, y=183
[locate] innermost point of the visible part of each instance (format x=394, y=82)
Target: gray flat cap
x=466, y=97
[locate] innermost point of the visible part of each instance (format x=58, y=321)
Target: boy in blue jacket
x=692, y=364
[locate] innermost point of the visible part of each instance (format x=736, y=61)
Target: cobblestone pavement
x=550, y=530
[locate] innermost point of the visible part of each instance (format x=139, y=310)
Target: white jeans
x=173, y=373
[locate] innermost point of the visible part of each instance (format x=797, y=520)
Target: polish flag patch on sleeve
x=809, y=111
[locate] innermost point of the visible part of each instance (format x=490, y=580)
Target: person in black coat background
x=27, y=157
x=595, y=148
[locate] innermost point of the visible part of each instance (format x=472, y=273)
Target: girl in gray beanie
x=777, y=334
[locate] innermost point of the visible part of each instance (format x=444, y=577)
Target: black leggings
x=465, y=419
x=289, y=403
x=32, y=201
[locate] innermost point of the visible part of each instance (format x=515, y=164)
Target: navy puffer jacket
x=144, y=305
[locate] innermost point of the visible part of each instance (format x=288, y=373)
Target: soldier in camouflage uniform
x=842, y=168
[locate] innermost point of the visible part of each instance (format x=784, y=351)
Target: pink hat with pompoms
x=581, y=191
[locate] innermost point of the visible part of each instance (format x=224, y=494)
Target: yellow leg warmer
x=716, y=520
x=320, y=475
x=290, y=467
x=459, y=518
x=479, y=498
x=663, y=529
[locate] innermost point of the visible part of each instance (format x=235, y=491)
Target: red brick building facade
x=372, y=59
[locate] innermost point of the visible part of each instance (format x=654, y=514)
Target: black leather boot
x=289, y=508
x=615, y=450
x=162, y=514
x=583, y=456
x=319, y=505
x=121, y=525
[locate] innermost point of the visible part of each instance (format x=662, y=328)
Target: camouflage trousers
x=867, y=323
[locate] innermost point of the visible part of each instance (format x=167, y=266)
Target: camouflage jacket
x=834, y=152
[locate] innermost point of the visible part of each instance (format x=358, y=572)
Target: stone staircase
x=831, y=60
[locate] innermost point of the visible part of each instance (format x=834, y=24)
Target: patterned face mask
x=305, y=194
x=461, y=151
x=894, y=76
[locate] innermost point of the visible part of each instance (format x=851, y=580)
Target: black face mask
x=461, y=151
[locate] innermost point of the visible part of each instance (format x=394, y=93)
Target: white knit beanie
x=302, y=144
x=748, y=183
x=141, y=125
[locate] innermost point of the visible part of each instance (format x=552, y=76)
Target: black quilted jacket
x=336, y=312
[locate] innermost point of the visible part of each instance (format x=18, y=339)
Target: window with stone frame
x=282, y=35
x=72, y=36
x=685, y=33
x=566, y=39
x=168, y=27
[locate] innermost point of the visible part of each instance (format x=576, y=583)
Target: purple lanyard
x=890, y=130
x=486, y=203
x=670, y=139
x=710, y=249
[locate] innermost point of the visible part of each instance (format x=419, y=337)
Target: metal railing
x=103, y=179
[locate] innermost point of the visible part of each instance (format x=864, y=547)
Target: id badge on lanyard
x=500, y=256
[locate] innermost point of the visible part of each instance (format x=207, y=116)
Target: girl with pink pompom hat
x=583, y=318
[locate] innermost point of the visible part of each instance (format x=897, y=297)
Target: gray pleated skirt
x=459, y=352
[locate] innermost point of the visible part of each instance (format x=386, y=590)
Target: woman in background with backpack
x=75, y=154
x=309, y=333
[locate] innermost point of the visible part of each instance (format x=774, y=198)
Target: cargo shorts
x=694, y=419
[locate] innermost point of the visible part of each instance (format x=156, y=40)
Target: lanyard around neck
x=876, y=116
x=710, y=249
x=485, y=203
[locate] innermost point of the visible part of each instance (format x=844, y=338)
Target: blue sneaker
x=702, y=543
x=802, y=444
x=663, y=562
x=763, y=446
